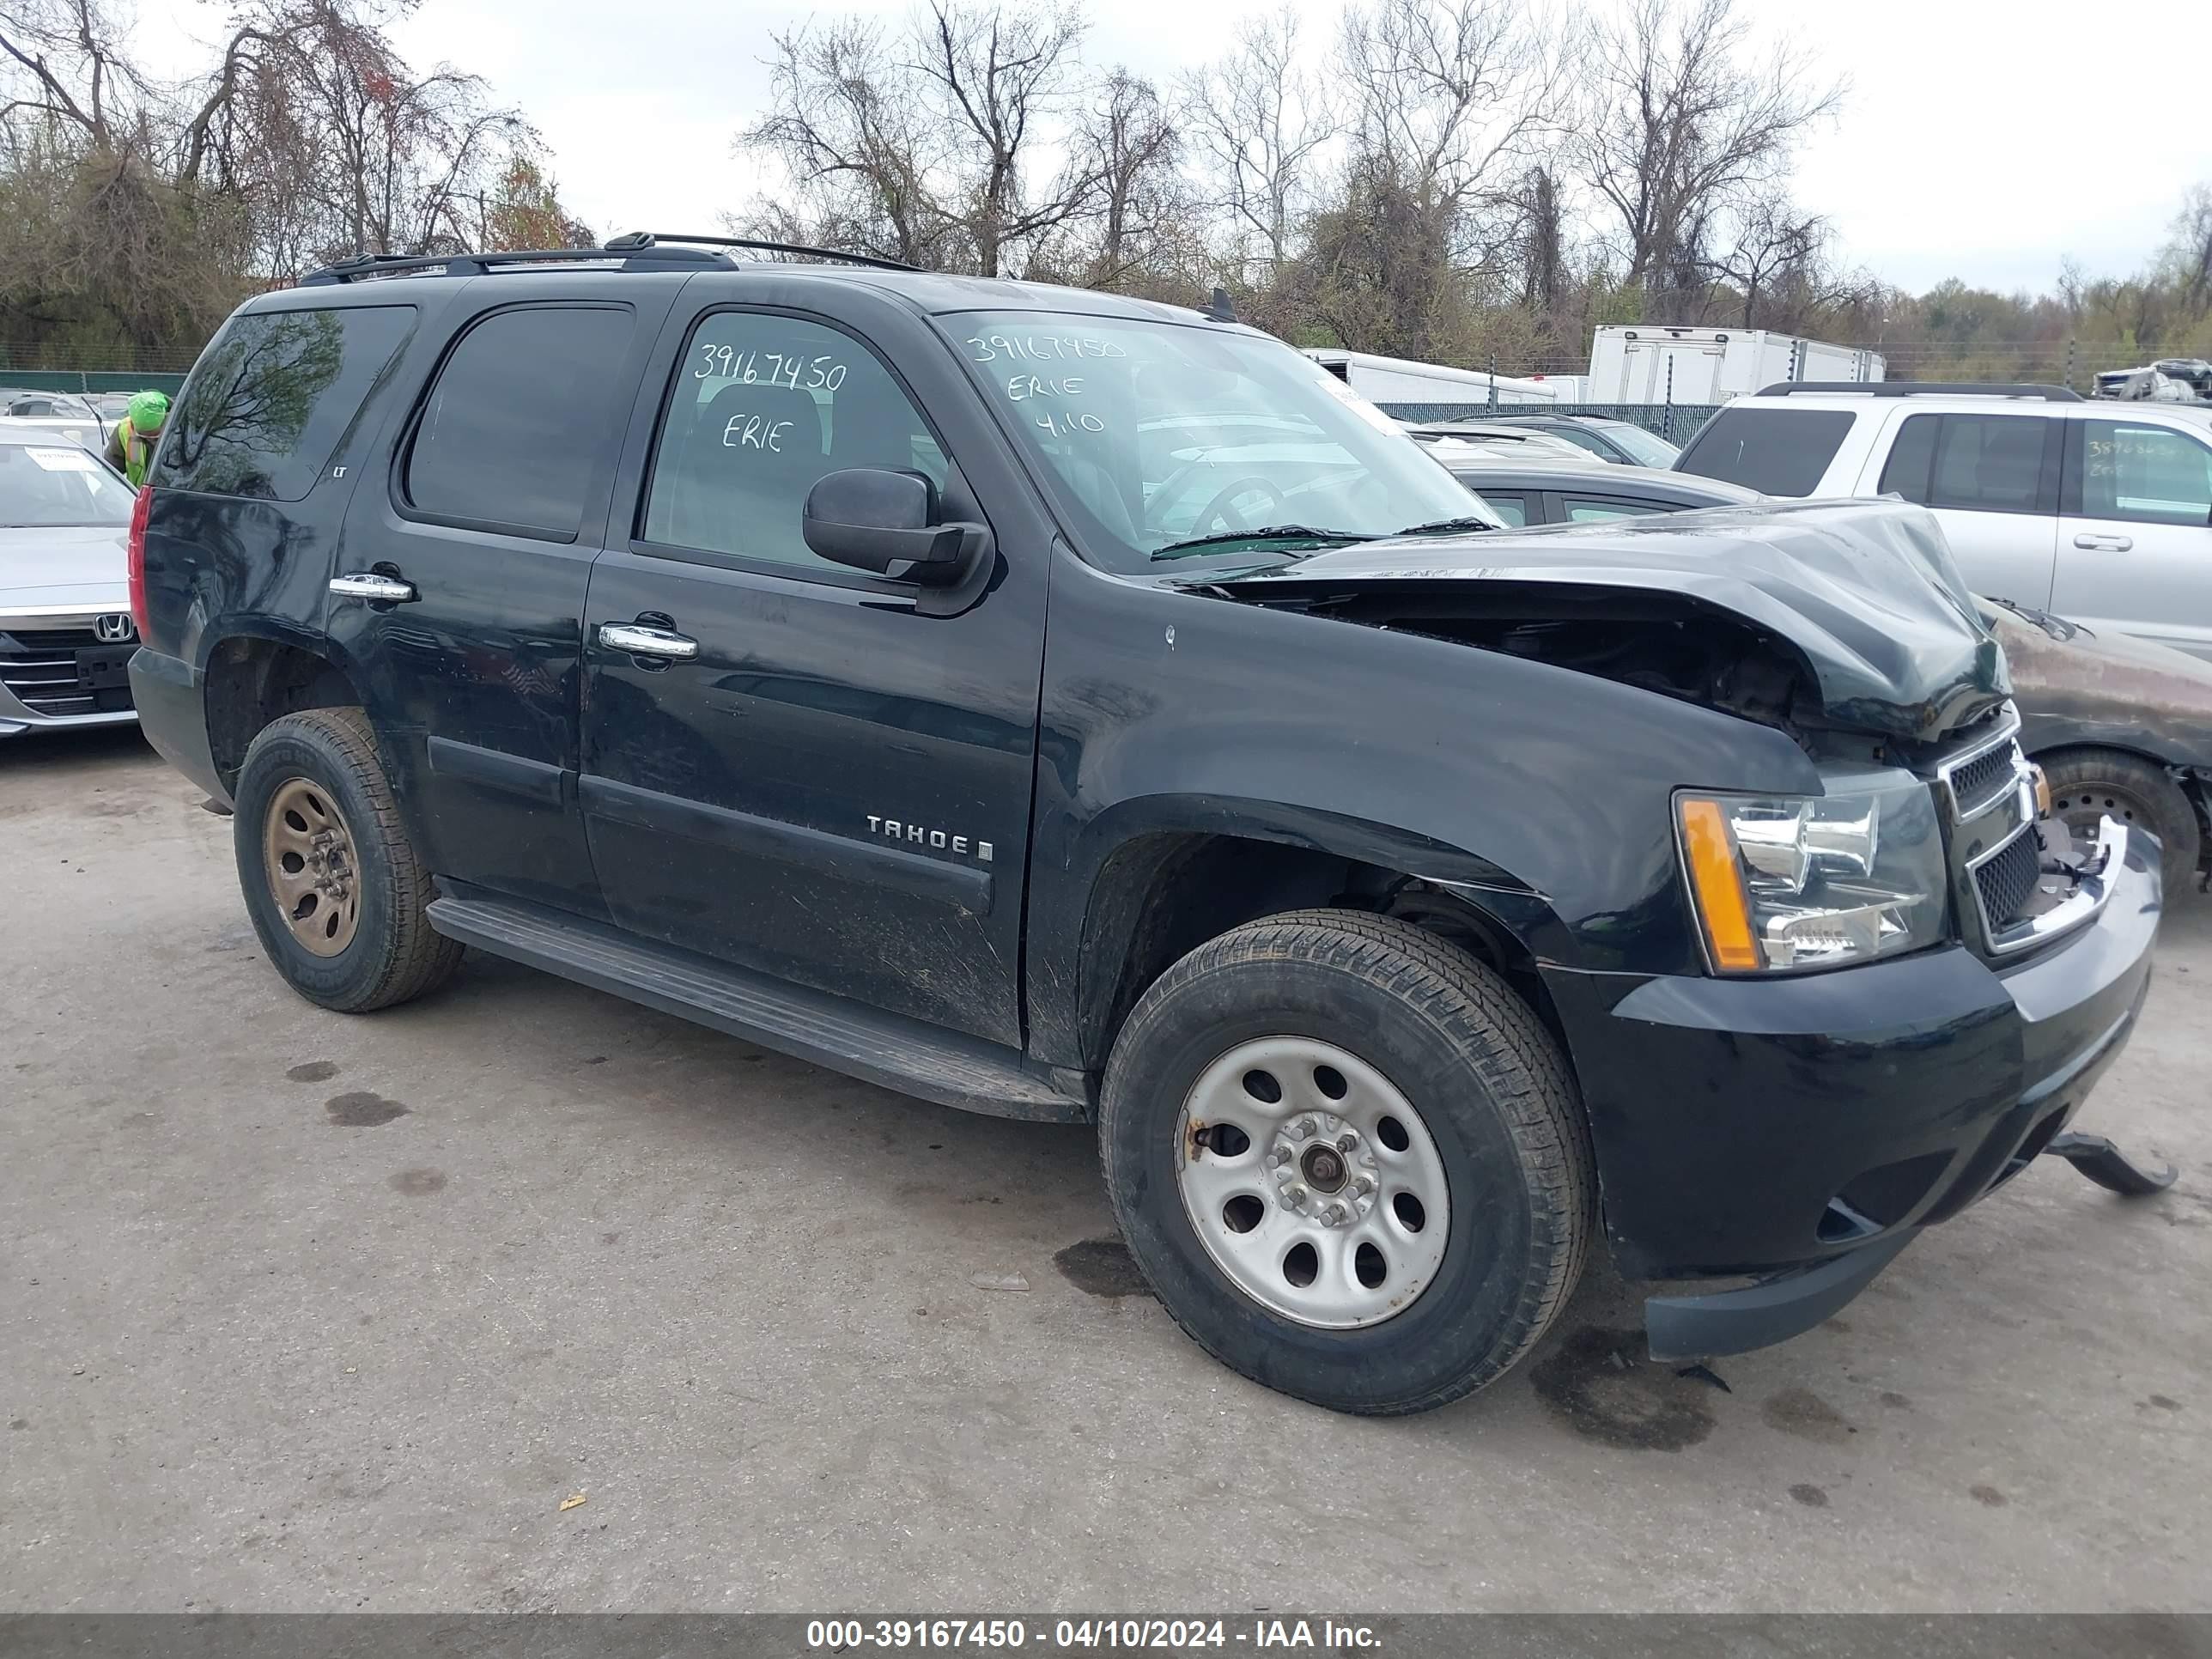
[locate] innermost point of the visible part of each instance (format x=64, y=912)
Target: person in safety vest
x=130, y=446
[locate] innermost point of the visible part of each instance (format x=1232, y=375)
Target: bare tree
x=62, y=61
x=855, y=143
x=2189, y=255
x=1448, y=91
x=1257, y=122
x=1682, y=123
x=934, y=143
x=1126, y=146
x=1006, y=72
x=1539, y=239
x=1773, y=243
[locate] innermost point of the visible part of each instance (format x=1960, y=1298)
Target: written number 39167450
x=796, y=370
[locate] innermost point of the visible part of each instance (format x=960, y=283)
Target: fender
x=1177, y=710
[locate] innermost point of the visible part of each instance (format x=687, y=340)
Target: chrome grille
x=2004, y=884
x=39, y=668
x=1976, y=784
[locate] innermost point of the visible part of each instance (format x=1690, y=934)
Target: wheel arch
x=1176, y=878
x=255, y=676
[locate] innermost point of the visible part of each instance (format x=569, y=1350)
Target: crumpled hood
x=1865, y=590
x=76, y=566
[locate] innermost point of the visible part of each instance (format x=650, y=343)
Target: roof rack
x=2049, y=394
x=642, y=239
x=478, y=265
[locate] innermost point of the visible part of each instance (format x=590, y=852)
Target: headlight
x=1796, y=882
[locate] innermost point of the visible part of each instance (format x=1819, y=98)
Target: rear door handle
x=373, y=585
x=2096, y=544
x=640, y=641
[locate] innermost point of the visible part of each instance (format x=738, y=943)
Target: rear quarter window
x=1776, y=451
x=272, y=395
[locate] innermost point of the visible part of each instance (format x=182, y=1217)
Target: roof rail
x=639, y=240
x=476, y=264
x=2049, y=394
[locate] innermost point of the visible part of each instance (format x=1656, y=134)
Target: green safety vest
x=137, y=452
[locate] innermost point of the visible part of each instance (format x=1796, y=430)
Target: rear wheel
x=331, y=879
x=1349, y=1160
x=2087, y=785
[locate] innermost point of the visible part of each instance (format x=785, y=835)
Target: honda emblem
x=113, y=630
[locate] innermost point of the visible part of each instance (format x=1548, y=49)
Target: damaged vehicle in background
x=1403, y=903
x=2122, y=728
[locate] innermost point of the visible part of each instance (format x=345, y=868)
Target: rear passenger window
x=272, y=395
x=1911, y=460
x=1512, y=510
x=1776, y=451
x=1600, y=509
x=1989, y=463
x=762, y=408
x=522, y=419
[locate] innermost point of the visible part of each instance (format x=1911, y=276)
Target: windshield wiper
x=2059, y=628
x=1272, y=533
x=1448, y=527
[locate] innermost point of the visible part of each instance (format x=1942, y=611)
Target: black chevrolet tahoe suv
x=1086, y=710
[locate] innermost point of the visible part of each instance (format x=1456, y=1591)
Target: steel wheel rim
x=2081, y=808
x=1256, y=1178
x=307, y=856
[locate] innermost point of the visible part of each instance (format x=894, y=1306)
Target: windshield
x=1160, y=434
x=49, y=485
x=1645, y=448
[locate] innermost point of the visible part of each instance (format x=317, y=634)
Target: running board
x=889, y=1049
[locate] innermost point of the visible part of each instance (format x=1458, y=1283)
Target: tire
x=1495, y=1103
x=2087, y=784
x=323, y=765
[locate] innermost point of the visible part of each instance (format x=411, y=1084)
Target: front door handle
x=640, y=641
x=373, y=585
x=2096, y=544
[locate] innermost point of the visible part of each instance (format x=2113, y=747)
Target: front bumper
x=49, y=681
x=1807, y=1127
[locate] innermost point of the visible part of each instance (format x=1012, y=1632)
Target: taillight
x=141, y=511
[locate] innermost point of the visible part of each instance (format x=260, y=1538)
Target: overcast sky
x=1982, y=140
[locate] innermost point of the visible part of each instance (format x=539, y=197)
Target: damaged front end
x=1844, y=615
x=1844, y=624
x=1928, y=974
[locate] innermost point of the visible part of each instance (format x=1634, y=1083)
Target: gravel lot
x=300, y=1312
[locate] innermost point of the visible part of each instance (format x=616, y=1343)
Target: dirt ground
x=302, y=1312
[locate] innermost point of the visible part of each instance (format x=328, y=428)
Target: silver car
x=58, y=414
x=66, y=635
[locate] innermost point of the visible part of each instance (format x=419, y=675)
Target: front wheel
x=1349, y=1160
x=331, y=878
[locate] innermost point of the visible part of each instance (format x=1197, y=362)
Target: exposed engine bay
x=1657, y=642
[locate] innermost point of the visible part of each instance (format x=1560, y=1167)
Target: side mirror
x=872, y=518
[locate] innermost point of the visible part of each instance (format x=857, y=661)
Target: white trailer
x=1400, y=380
x=1658, y=364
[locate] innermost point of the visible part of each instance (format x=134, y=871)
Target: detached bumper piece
x=1773, y=1311
x=2108, y=1166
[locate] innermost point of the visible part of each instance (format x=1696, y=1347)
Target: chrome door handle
x=2097, y=544
x=640, y=641
x=372, y=585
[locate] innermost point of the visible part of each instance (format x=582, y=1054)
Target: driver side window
x=763, y=407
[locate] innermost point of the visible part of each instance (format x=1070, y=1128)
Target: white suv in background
x=2102, y=515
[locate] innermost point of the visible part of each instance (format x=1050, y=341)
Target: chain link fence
x=85, y=381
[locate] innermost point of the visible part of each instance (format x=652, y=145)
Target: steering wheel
x=1217, y=510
